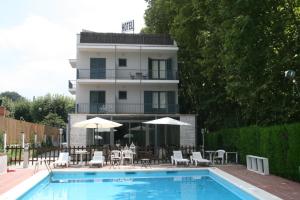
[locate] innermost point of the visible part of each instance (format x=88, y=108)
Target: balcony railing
x=126, y=108
x=72, y=84
x=127, y=74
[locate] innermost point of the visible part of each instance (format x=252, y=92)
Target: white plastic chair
x=63, y=160
x=127, y=155
x=98, y=159
x=196, y=158
x=219, y=156
x=115, y=157
x=177, y=158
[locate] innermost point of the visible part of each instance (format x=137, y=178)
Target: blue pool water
x=175, y=185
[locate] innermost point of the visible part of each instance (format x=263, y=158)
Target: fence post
x=5, y=142
x=26, y=156
x=23, y=140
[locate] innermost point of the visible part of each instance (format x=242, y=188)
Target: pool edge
x=21, y=188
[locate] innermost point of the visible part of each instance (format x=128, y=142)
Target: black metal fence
x=156, y=155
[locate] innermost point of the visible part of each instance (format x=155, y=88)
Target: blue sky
x=37, y=37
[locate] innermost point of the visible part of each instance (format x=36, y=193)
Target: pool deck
x=283, y=188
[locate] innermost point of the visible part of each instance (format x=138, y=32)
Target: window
x=159, y=100
x=158, y=69
x=122, y=95
x=122, y=62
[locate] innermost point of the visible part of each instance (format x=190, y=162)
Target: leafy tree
x=232, y=57
x=14, y=96
x=9, y=105
x=54, y=120
x=22, y=110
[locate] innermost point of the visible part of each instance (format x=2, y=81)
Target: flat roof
x=124, y=38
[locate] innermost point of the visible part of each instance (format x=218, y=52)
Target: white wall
x=136, y=61
x=135, y=95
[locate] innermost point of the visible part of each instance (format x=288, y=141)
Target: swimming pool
x=170, y=184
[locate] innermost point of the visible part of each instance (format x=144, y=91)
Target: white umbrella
x=98, y=137
x=96, y=123
x=167, y=121
x=128, y=135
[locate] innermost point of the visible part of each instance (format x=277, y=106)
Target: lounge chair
x=177, y=158
x=63, y=160
x=219, y=156
x=98, y=159
x=196, y=158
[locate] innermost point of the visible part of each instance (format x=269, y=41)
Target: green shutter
x=171, y=102
x=150, y=68
x=169, y=69
x=147, y=101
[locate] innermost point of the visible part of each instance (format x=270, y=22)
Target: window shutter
x=171, y=102
x=169, y=69
x=150, y=68
x=147, y=101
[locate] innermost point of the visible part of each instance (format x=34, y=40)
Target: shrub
x=280, y=144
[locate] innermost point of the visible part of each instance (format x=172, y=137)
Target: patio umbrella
x=98, y=137
x=128, y=135
x=97, y=123
x=167, y=121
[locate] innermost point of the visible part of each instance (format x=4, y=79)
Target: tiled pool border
x=26, y=185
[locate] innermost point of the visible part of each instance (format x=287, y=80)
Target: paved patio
x=280, y=187
x=283, y=188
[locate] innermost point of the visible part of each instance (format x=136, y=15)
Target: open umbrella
x=167, y=121
x=129, y=136
x=97, y=123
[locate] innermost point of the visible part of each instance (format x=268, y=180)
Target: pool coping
x=26, y=185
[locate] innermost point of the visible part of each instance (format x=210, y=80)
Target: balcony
x=127, y=74
x=72, y=86
x=125, y=108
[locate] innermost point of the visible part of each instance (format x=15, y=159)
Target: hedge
x=280, y=144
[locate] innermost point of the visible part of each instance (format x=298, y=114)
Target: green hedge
x=280, y=144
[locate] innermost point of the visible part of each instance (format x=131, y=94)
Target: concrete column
x=188, y=133
x=23, y=140
x=111, y=137
x=35, y=139
x=147, y=135
x=26, y=156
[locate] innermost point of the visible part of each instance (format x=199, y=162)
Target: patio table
x=210, y=153
x=80, y=152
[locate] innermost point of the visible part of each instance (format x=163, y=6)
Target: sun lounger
x=63, y=160
x=98, y=159
x=177, y=158
x=196, y=158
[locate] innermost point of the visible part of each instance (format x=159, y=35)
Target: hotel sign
x=128, y=26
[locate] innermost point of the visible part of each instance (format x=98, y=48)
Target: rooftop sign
x=128, y=26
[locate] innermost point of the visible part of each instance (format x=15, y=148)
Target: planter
x=3, y=163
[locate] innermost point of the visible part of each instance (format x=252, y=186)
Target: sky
x=38, y=37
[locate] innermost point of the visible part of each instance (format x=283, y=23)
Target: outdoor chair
x=63, y=160
x=98, y=159
x=127, y=155
x=177, y=158
x=115, y=157
x=196, y=158
x=219, y=156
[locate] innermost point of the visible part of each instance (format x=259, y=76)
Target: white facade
x=151, y=69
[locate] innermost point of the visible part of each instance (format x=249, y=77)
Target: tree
x=232, y=57
x=52, y=119
x=14, y=96
x=22, y=110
